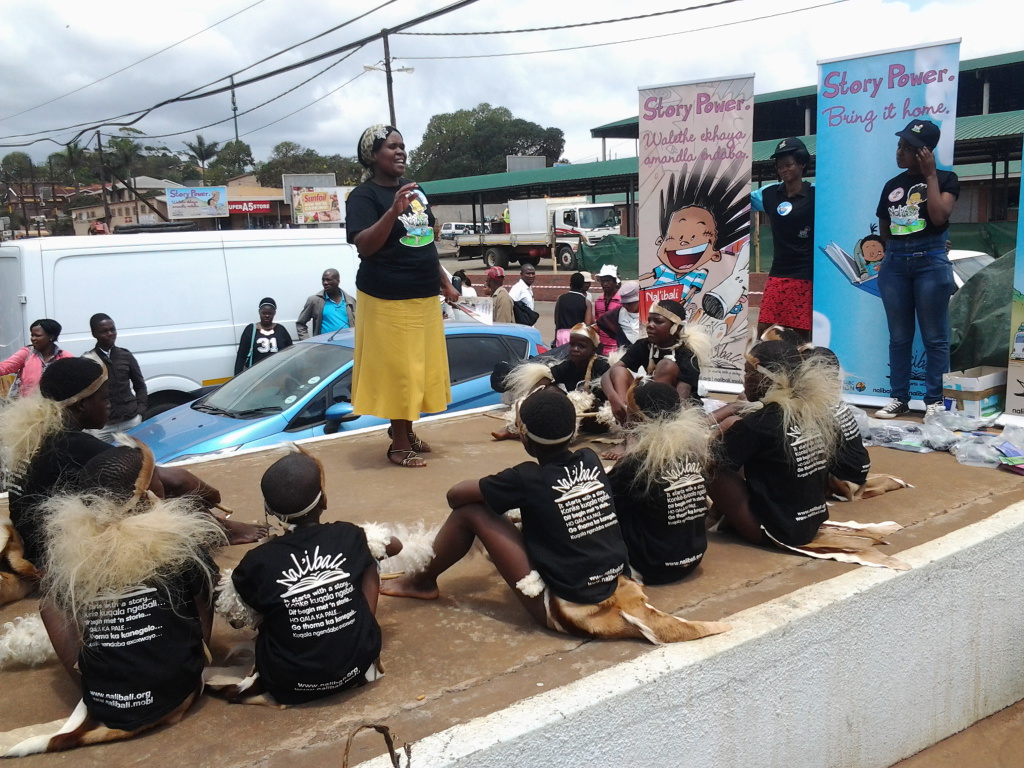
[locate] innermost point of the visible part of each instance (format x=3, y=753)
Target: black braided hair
x=112, y=473
x=655, y=399
x=549, y=414
x=68, y=376
x=291, y=483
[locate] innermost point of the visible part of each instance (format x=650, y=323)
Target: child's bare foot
x=411, y=586
x=504, y=435
x=614, y=453
x=244, y=533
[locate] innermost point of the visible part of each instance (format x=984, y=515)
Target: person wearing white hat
x=624, y=325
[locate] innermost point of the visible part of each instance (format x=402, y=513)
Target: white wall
x=856, y=672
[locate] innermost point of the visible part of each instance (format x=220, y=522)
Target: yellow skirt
x=401, y=361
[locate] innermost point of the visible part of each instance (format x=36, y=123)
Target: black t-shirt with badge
x=786, y=474
x=570, y=531
x=851, y=462
x=407, y=266
x=142, y=654
x=903, y=203
x=318, y=635
x=664, y=526
x=638, y=357
x=792, y=223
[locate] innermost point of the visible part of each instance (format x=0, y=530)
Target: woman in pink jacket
x=30, y=362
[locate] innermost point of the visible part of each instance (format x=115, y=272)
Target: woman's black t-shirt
x=571, y=534
x=318, y=634
x=55, y=464
x=570, y=310
x=786, y=475
x=792, y=223
x=664, y=526
x=407, y=266
x=142, y=654
x=903, y=203
x=638, y=357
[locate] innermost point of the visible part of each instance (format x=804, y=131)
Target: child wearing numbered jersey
x=315, y=592
x=567, y=565
x=660, y=495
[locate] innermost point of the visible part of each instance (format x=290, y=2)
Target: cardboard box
x=977, y=391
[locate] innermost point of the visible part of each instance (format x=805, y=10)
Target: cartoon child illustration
x=906, y=219
x=700, y=215
x=417, y=222
x=868, y=255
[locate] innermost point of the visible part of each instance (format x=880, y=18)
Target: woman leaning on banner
x=789, y=206
x=916, y=278
x=401, y=363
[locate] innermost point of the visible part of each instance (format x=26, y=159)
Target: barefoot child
x=315, y=591
x=127, y=601
x=567, y=565
x=660, y=496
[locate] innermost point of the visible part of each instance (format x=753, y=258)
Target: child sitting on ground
x=660, y=496
x=315, y=592
x=127, y=601
x=567, y=565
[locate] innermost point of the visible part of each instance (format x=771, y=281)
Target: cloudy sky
x=67, y=63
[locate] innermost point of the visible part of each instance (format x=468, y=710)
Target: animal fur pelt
x=875, y=485
x=664, y=446
x=18, y=577
x=699, y=342
x=98, y=548
x=417, y=549
x=626, y=614
x=232, y=607
x=24, y=643
x=851, y=542
x=526, y=377
x=24, y=424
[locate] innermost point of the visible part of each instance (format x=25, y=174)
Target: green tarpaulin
x=979, y=317
x=623, y=252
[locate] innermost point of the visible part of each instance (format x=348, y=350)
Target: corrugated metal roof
x=626, y=166
x=999, y=60
x=990, y=126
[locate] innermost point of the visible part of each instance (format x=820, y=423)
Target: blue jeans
x=916, y=281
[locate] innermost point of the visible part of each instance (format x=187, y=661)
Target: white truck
x=180, y=300
x=541, y=228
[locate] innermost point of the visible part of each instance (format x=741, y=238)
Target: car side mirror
x=338, y=414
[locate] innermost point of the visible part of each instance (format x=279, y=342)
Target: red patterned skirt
x=787, y=301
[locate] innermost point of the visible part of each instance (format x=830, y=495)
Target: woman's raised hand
x=403, y=197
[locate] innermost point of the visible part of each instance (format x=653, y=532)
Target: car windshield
x=593, y=218
x=277, y=383
x=967, y=268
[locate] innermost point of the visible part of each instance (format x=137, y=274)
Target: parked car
x=452, y=228
x=305, y=390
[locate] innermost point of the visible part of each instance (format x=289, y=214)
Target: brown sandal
x=412, y=459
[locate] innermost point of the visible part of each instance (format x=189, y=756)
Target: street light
x=387, y=70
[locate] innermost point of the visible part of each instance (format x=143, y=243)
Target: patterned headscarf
x=371, y=140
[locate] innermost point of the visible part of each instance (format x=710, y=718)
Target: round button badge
x=784, y=208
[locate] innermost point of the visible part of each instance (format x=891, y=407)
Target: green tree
x=289, y=157
x=202, y=152
x=235, y=157
x=476, y=141
x=18, y=165
x=123, y=153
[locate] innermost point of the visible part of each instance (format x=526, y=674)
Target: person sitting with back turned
x=128, y=393
x=329, y=310
x=567, y=565
x=501, y=310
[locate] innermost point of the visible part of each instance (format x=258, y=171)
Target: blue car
x=305, y=390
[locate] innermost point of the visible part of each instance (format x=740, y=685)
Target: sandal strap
x=410, y=457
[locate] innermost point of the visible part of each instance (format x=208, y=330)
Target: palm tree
x=202, y=152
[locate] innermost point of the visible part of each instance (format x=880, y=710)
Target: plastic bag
x=905, y=436
x=978, y=451
x=960, y=421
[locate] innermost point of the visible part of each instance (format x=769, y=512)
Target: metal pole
x=103, y=192
x=390, y=82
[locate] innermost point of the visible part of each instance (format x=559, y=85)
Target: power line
x=191, y=95
x=620, y=42
x=571, y=26
x=140, y=61
x=285, y=117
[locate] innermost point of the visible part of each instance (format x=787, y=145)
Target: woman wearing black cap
x=263, y=339
x=789, y=206
x=916, y=279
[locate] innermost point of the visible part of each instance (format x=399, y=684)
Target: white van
x=180, y=300
x=452, y=228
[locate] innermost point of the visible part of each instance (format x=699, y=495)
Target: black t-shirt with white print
x=786, y=474
x=318, y=634
x=571, y=534
x=903, y=203
x=851, y=462
x=406, y=267
x=664, y=527
x=142, y=653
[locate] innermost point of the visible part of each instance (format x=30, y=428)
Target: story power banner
x=694, y=209
x=862, y=103
x=1015, y=368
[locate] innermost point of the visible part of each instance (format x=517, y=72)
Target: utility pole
x=103, y=183
x=234, y=114
x=389, y=79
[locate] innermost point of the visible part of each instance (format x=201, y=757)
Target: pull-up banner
x=862, y=103
x=694, y=217
x=1015, y=374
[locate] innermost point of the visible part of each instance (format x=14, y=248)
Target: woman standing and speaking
x=401, y=363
